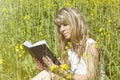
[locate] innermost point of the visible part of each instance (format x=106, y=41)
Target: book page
x=27, y=43
x=39, y=43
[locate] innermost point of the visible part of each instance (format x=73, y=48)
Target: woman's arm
x=92, y=62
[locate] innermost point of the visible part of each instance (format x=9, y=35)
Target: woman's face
x=65, y=30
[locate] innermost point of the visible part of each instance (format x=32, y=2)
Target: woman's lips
x=65, y=34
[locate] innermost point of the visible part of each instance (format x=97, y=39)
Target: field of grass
x=32, y=20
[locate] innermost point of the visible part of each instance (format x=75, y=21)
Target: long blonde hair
x=80, y=31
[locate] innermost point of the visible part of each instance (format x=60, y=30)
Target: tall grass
x=32, y=20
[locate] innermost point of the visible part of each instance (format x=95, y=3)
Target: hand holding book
x=40, y=50
x=48, y=62
x=39, y=65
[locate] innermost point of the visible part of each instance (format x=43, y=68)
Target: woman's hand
x=39, y=65
x=48, y=61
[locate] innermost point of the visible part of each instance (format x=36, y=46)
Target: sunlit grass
x=23, y=20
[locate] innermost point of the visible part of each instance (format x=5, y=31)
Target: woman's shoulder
x=90, y=41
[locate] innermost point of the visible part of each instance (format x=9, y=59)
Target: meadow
x=32, y=20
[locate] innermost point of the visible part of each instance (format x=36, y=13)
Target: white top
x=78, y=67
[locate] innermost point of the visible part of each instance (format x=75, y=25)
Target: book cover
x=40, y=49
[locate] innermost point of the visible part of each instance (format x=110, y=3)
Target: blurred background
x=32, y=20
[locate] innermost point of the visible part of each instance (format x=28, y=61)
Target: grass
x=23, y=20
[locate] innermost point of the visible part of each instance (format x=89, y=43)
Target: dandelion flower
x=64, y=67
x=62, y=79
x=1, y=61
x=84, y=55
x=54, y=67
x=21, y=46
x=96, y=45
x=109, y=20
x=20, y=55
x=100, y=29
x=66, y=47
x=27, y=17
x=16, y=48
x=4, y=10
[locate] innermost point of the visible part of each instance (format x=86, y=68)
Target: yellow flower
x=23, y=52
x=96, y=45
x=16, y=48
x=21, y=0
x=53, y=68
x=110, y=20
x=84, y=55
x=4, y=10
x=27, y=17
x=69, y=76
x=93, y=12
x=20, y=55
x=89, y=56
x=100, y=29
x=64, y=67
x=62, y=79
x=21, y=46
x=68, y=4
x=69, y=44
x=1, y=61
x=64, y=52
x=66, y=47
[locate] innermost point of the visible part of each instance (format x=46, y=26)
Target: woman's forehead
x=60, y=21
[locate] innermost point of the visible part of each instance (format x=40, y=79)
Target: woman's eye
x=59, y=27
x=65, y=24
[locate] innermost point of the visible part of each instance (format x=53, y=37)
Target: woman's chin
x=67, y=38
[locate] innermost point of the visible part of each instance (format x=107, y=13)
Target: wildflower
x=20, y=50
x=109, y=20
x=66, y=47
x=20, y=55
x=1, y=61
x=96, y=45
x=23, y=52
x=93, y=12
x=21, y=0
x=69, y=76
x=53, y=68
x=64, y=52
x=21, y=46
x=67, y=4
x=49, y=5
x=85, y=56
x=100, y=29
x=16, y=48
x=4, y=10
x=87, y=3
x=62, y=79
x=27, y=17
x=69, y=44
x=64, y=67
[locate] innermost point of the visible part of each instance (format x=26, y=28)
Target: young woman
x=82, y=53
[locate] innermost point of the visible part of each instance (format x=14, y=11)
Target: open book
x=40, y=49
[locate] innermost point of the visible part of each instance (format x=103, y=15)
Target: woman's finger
x=48, y=59
x=45, y=60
